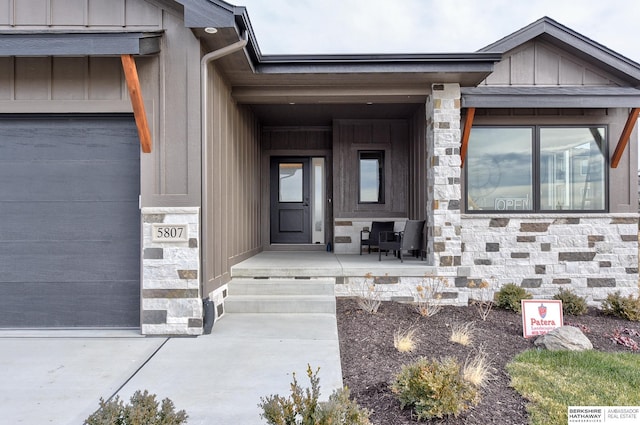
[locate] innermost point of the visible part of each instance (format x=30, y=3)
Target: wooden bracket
x=468, y=123
x=624, y=137
x=135, y=93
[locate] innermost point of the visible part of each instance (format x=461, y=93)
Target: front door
x=290, y=200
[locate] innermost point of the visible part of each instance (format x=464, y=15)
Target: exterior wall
x=540, y=63
x=592, y=254
x=232, y=185
x=171, y=298
x=350, y=217
x=171, y=173
x=444, y=248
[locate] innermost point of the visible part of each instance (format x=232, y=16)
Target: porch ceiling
x=324, y=114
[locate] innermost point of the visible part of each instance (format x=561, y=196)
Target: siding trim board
x=83, y=44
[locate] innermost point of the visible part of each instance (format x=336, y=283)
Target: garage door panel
x=71, y=261
x=73, y=220
x=67, y=139
x=60, y=181
x=70, y=228
x=105, y=304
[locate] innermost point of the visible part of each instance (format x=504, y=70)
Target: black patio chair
x=373, y=235
x=410, y=239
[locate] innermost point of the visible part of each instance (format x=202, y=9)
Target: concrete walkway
x=57, y=377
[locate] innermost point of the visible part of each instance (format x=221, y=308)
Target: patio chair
x=410, y=239
x=373, y=235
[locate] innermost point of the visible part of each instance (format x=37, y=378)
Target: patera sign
x=540, y=316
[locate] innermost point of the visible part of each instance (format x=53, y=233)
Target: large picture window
x=536, y=169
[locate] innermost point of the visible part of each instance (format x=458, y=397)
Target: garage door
x=69, y=222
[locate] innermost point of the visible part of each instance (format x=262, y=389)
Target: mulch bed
x=370, y=361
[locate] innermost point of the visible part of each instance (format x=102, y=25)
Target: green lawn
x=554, y=380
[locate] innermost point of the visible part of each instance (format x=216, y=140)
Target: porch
x=312, y=264
x=309, y=282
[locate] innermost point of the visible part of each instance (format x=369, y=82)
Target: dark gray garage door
x=69, y=222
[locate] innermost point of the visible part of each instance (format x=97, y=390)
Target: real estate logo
x=540, y=316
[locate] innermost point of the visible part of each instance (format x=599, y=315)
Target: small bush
x=572, y=304
x=367, y=295
x=434, y=389
x=405, y=341
x=303, y=407
x=482, y=297
x=142, y=410
x=428, y=295
x=624, y=307
x=509, y=297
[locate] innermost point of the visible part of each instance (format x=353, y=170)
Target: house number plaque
x=169, y=232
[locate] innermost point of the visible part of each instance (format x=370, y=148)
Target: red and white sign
x=540, y=316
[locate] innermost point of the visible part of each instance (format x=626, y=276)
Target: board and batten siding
x=170, y=81
x=233, y=176
x=537, y=63
x=351, y=136
x=79, y=13
x=418, y=165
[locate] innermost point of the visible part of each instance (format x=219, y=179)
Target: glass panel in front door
x=291, y=182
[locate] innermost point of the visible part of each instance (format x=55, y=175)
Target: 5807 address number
x=170, y=233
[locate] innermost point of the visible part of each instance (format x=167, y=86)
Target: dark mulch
x=370, y=361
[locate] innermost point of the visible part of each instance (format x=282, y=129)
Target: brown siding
x=418, y=165
x=349, y=137
x=232, y=185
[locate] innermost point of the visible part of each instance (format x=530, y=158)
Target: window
x=536, y=169
x=371, y=173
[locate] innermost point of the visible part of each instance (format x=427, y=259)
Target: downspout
x=208, y=305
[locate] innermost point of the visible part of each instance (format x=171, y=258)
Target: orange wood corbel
x=468, y=123
x=135, y=93
x=624, y=137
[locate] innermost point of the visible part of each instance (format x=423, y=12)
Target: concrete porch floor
x=328, y=264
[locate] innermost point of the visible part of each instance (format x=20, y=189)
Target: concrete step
x=281, y=296
x=280, y=304
x=281, y=287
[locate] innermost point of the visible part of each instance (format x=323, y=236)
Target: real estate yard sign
x=540, y=316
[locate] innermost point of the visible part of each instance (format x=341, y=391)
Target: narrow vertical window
x=371, y=175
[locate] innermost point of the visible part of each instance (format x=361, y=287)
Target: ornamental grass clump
x=303, y=407
x=509, y=297
x=435, y=388
x=405, y=341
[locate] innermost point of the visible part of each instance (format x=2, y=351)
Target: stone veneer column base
x=171, y=298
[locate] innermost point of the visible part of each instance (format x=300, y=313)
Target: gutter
x=208, y=306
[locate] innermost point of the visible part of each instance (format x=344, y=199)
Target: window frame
x=380, y=156
x=536, y=186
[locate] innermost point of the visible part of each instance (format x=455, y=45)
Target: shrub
x=482, y=299
x=572, y=303
x=303, y=407
x=142, y=410
x=428, y=295
x=625, y=307
x=367, y=295
x=434, y=389
x=509, y=297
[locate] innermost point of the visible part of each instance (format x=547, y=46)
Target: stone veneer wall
x=593, y=254
x=443, y=174
x=171, y=299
